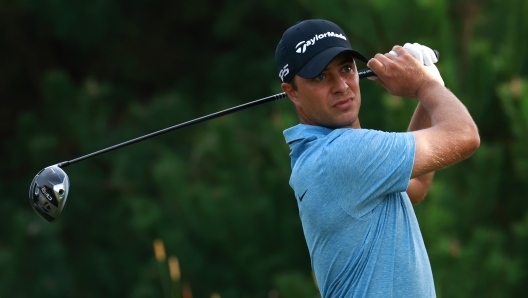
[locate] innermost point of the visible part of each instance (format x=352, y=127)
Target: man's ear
x=292, y=93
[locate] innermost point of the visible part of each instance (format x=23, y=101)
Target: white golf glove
x=425, y=55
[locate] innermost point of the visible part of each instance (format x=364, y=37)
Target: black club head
x=48, y=192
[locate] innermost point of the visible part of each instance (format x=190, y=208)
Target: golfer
x=354, y=186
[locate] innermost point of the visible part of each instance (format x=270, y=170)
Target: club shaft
x=362, y=74
x=178, y=126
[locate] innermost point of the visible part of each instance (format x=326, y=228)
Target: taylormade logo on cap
x=301, y=46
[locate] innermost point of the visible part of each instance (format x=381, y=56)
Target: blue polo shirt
x=359, y=224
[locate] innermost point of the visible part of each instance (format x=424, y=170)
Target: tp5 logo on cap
x=284, y=72
x=308, y=47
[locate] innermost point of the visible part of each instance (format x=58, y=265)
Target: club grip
x=369, y=73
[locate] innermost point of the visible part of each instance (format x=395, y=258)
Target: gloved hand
x=425, y=55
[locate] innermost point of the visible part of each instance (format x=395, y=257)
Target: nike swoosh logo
x=302, y=196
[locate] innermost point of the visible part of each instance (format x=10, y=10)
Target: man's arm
x=453, y=135
x=418, y=186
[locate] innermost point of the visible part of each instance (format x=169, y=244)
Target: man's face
x=332, y=99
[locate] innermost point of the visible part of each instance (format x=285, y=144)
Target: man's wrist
x=428, y=89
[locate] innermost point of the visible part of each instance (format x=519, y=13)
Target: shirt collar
x=303, y=131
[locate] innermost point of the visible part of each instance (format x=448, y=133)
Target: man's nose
x=339, y=84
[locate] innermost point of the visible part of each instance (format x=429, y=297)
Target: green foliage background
x=79, y=76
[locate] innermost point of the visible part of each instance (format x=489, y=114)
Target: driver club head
x=48, y=192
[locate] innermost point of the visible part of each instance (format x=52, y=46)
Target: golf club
x=49, y=189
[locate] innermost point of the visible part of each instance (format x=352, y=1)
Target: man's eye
x=320, y=77
x=347, y=68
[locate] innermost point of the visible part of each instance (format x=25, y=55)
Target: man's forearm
x=418, y=186
x=420, y=119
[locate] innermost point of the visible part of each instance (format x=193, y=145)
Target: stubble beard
x=335, y=122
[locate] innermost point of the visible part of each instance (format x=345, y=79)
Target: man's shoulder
x=364, y=138
x=366, y=142
x=338, y=144
x=305, y=131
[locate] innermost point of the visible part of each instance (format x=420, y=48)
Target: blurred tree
x=78, y=76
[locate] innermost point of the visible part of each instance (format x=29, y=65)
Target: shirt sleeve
x=363, y=166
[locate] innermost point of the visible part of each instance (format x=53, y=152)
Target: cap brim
x=319, y=62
